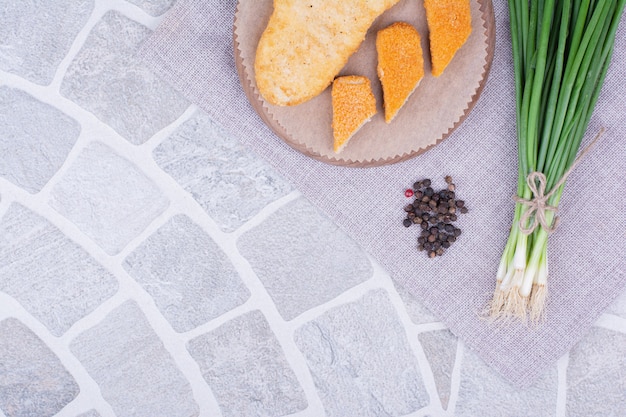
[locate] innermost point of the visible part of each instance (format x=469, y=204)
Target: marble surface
x=150, y=265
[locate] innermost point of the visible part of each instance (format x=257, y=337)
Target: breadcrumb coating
x=450, y=24
x=353, y=104
x=400, y=65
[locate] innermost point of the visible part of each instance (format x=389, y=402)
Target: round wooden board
x=298, y=140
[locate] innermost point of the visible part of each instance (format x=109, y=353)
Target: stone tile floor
x=151, y=266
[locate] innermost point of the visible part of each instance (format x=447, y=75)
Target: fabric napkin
x=193, y=50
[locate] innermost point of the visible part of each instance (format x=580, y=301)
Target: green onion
x=561, y=53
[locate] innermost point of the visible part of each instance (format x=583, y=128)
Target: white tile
x=35, y=139
x=190, y=278
x=361, y=361
x=246, y=368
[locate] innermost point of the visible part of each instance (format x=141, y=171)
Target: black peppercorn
x=435, y=212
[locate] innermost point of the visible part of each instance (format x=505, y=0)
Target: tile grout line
x=44, y=194
x=265, y=213
x=561, y=396
x=455, y=379
x=167, y=215
x=5, y=201
x=348, y=296
x=95, y=317
x=248, y=306
x=160, y=136
x=429, y=327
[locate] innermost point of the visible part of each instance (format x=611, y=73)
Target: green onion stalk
x=561, y=52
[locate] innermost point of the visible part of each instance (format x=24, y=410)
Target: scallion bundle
x=562, y=50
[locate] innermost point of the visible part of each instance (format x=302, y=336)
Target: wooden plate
x=436, y=108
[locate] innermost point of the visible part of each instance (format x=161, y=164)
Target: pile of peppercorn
x=435, y=212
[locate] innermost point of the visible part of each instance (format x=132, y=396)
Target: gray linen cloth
x=193, y=50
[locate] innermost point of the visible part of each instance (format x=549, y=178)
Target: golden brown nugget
x=354, y=105
x=307, y=43
x=400, y=65
x=450, y=24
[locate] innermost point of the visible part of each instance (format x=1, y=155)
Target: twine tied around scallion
x=538, y=205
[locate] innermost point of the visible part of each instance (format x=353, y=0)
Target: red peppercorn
x=408, y=193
